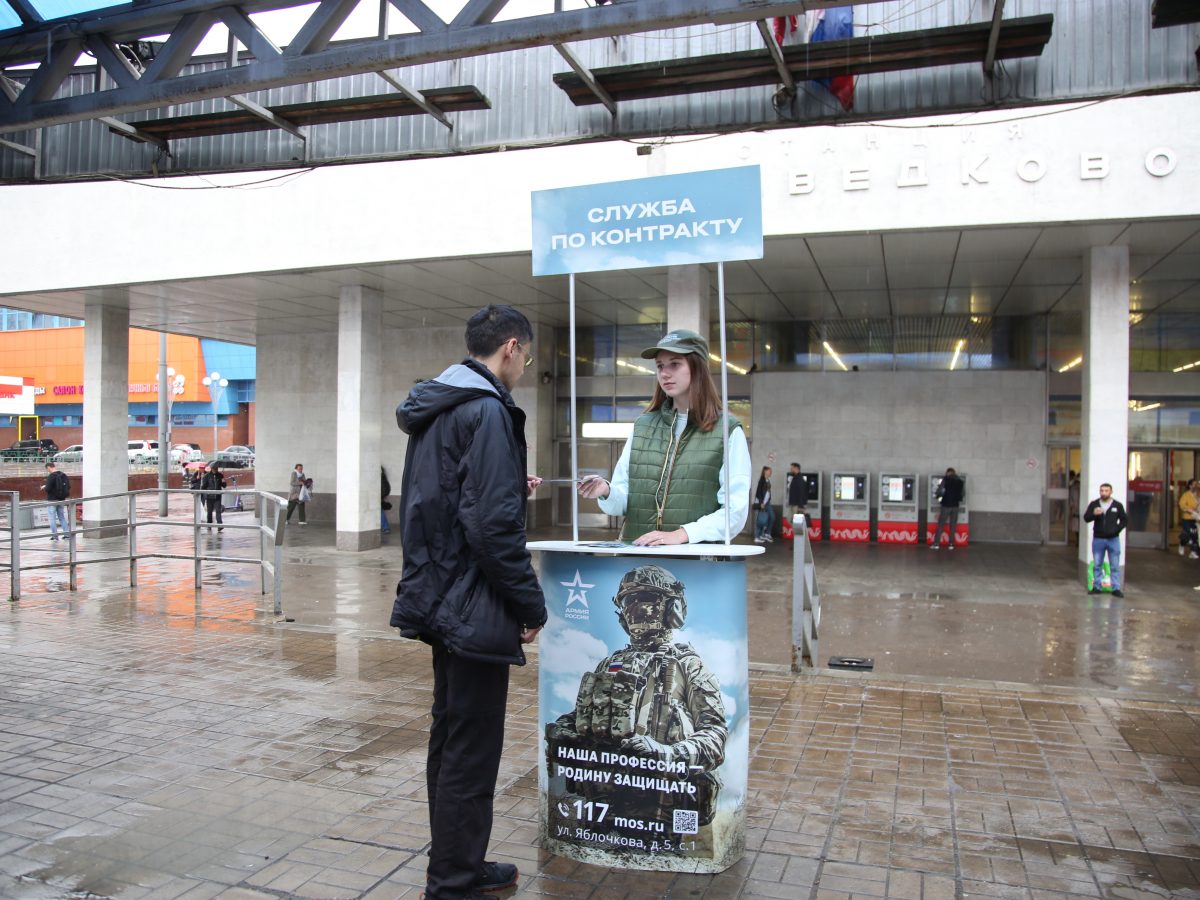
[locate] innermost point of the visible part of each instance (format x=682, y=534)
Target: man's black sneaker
x=1118, y=593
x=1094, y=591
x=496, y=876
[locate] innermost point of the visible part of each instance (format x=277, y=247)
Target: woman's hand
x=532, y=483
x=661, y=538
x=593, y=487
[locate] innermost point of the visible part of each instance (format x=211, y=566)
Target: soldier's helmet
x=649, y=596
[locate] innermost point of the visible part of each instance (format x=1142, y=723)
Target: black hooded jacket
x=468, y=579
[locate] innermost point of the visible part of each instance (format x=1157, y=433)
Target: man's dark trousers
x=465, y=742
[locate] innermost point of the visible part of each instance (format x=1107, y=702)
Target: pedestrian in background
x=294, y=490
x=213, y=483
x=385, y=489
x=1108, y=519
x=797, y=492
x=950, y=493
x=1189, y=517
x=764, y=522
x=57, y=488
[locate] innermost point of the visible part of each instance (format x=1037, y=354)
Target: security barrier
x=16, y=519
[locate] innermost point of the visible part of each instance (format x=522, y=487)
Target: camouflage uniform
x=654, y=699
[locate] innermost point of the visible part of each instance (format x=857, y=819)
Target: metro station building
x=1014, y=292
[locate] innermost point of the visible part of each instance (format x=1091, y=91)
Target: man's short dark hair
x=50, y=465
x=1106, y=484
x=489, y=328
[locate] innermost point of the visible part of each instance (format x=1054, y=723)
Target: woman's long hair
x=705, y=407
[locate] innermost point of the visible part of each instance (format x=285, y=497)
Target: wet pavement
x=1017, y=738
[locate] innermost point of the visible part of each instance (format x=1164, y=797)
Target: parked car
x=182, y=453
x=74, y=453
x=236, y=456
x=32, y=448
x=143, y=452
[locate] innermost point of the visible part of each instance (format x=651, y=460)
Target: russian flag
x=834, y=25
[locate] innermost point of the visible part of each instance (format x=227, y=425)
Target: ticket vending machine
x=898, y=506
x=962, y=532
x=850, y=507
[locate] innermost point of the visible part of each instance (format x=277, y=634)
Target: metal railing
x=268, y=510
x=806, y=600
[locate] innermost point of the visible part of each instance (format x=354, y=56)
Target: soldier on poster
x=648, y=731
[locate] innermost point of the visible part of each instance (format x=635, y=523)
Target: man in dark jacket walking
x=468, y=587
x=57, y=488
x=1108, y=519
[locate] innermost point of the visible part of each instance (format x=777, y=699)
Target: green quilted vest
x=694, y=480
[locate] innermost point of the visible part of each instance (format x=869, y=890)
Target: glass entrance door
x=1146, y=501
x=1062, y=495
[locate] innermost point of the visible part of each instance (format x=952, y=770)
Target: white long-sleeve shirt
x=710, y=528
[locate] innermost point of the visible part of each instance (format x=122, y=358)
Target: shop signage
x=644, y=707
x=668, y=220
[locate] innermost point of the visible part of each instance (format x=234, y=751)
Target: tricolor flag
x=834, y=25
x=616, y=667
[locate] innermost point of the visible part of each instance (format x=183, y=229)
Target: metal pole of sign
x=574, y=435
x=724, y=395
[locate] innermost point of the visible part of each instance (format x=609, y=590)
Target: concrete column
x=1105, y=428
x=688, y=291
x=105, y=405
x=360, y=362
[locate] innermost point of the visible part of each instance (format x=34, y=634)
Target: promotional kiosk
x=849, y=506
x=643, y=684
x=898, y=506
x=962, y=532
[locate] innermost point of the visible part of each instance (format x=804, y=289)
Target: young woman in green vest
x=670, y=482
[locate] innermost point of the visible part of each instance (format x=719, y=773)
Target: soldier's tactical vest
x=690, y=486
x=639, y=694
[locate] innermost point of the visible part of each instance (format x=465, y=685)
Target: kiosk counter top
x=617, y=548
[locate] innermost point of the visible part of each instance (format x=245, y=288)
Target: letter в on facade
x=800, y=182
x=1093, y=166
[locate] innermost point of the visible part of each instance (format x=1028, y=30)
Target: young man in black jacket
x=57, y=488
x=950, y=493
x=1108, y=521
x=468, y=587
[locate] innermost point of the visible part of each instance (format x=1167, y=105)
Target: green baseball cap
x=679, y=341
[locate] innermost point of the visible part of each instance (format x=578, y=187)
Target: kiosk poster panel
x=644, y=711
x=849, y=507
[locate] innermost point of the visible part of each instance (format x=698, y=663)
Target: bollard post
x=131, y=527
x=72, y=562
x=806, y=599
x=14, y=550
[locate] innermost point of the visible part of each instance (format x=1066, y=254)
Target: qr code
x=687, y=821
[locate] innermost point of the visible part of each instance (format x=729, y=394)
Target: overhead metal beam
x=19, y=148
x=785, y=74
x=478, y=12
x=252, y=37
x=113, y=61
x=180, y=46
x=989, y=58
x=266, y=115
x=394, y=52
x=26, y=12
x=420, y=15
x=315, y=34
x=416, y=98
x=9, y=88
x=48, y=77
x=586, y=75
x=125, y=130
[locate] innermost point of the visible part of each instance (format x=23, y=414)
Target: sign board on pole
x=668, y=220
x=16, y=396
